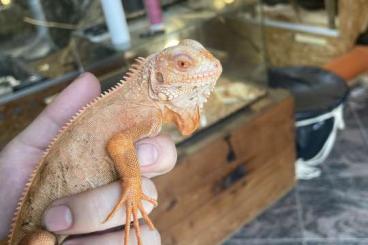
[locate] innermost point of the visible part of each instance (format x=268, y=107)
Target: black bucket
x=319, y=98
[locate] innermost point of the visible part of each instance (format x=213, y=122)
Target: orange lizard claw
x=132, y=197
x=150, y=199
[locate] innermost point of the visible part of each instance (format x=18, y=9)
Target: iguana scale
x=97, y=146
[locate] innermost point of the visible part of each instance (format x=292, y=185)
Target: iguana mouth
x=202, y=76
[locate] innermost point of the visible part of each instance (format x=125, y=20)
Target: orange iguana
x=98, y=143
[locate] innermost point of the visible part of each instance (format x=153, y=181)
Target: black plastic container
x=319, y=99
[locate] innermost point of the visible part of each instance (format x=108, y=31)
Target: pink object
x=154, y=12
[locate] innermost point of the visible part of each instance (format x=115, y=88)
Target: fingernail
x=58, y=218
x=147, y=154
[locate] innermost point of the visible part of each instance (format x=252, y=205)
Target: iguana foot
x=132, y=196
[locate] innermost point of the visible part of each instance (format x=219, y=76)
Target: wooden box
x=287, y=47
x=228, y=174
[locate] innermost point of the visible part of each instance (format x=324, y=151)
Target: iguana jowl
x=97, y=146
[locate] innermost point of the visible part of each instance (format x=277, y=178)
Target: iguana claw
x=132, y=197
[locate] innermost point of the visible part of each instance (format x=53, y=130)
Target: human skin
x=156, y=155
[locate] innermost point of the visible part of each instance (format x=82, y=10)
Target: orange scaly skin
x=97, y=146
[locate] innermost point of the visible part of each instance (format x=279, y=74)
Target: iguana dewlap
x=97, y=146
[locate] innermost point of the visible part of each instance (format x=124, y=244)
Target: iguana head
x=181, y=78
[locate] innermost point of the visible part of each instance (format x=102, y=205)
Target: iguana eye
x=183, y=62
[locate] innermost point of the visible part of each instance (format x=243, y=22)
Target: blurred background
x=288, y=118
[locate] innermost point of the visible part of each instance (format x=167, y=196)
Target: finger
x=156, y=155
x=83, y=90
x=85, y=212
x=151, y=237
x=28, y=146
x=18, y=158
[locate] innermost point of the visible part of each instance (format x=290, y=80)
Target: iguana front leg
x=122, y=151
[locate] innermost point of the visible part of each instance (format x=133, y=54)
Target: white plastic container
x=116, y=23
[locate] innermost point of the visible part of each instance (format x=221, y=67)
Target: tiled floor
x=331, y=209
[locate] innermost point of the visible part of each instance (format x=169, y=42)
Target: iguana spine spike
x=97, y=147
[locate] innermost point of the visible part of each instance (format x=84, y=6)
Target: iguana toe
x=132, y=196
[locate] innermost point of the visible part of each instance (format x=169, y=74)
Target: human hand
x=157, y=156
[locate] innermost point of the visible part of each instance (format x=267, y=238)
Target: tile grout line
x=300, y=213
